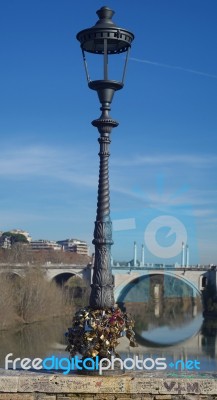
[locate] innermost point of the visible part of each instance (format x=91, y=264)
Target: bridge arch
x=11, y=274
x=62, y=278
x=123, y=288
x=75, y=286
x=158, y=315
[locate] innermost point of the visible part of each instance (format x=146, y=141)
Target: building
x=75, y=246
x=45, y=245
x=5, y=242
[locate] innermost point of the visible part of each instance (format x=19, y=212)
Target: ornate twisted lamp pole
x=97, y=327
x=105, y=39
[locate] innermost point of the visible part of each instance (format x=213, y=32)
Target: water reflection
x=209, y=338
x=165, y=309
x=47, y=338
x=34, y=340
x=168, y=323
x=166, y=336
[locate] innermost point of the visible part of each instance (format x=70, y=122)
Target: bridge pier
x=212, y=278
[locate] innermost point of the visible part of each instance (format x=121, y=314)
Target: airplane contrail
x=193, y=71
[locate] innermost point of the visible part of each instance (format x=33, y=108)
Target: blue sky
x=163, y=154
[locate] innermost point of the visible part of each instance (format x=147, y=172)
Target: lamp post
x=96, y=328
x=105, y=40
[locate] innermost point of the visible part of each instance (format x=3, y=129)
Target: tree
x=15, y=237
x=36, y=298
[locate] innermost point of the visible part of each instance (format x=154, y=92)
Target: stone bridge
x=59, y=272
x=195, y=277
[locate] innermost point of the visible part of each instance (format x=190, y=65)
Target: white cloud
x=175, y=67
x=167, y=159
x=12, y=218
x=200, y=212
x=81, y=168
x=60, y=164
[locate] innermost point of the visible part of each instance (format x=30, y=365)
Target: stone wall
x=15, y=385
x=102, y=397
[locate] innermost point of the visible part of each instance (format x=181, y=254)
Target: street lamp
x=92, y=324
x=104, y=39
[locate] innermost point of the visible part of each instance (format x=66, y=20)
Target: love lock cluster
x=96, y=332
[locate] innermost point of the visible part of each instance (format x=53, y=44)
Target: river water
x=166, y=325
x=186, y=339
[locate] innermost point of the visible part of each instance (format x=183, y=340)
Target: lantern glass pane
x=95, y=65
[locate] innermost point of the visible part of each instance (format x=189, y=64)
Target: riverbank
x=20, y=385
x=33, y=298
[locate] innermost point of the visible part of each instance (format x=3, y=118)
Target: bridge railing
x=45, y=265
x=163, y=267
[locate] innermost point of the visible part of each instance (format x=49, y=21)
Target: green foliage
x=15, y=237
